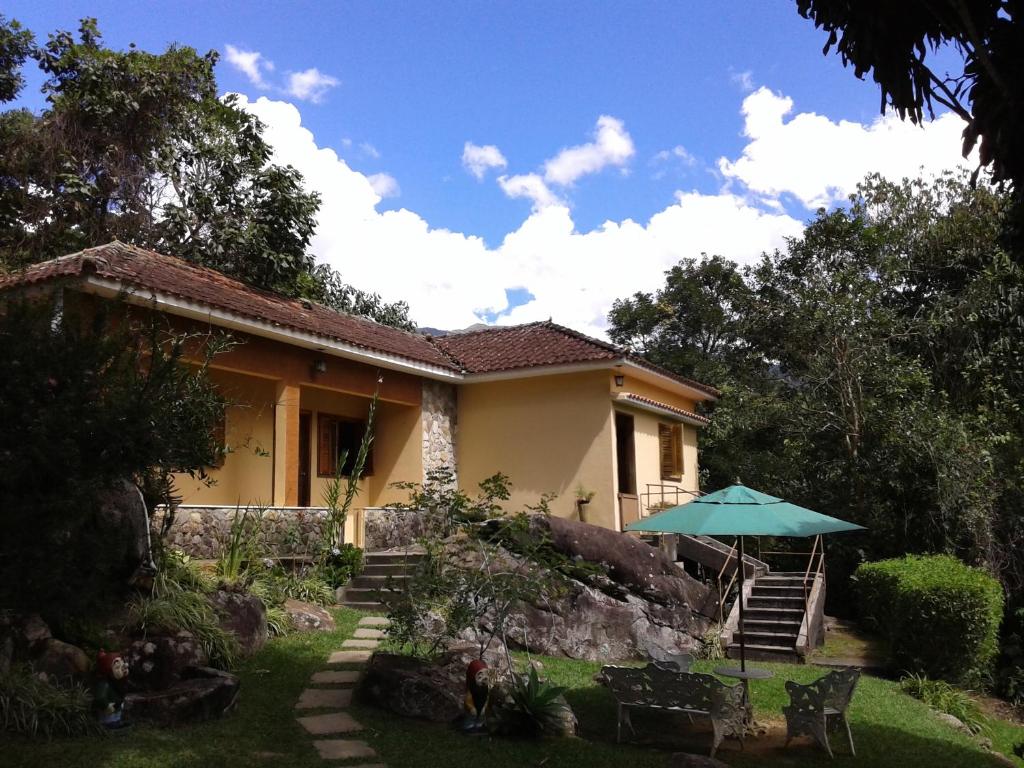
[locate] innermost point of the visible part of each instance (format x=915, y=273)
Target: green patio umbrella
x=741, y=511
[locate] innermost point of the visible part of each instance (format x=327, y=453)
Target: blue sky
x=691, y=119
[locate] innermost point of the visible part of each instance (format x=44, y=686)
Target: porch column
x=286, y=445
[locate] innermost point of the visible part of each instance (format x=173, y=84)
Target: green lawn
x=889, y=728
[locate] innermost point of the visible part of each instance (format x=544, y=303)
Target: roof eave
x=623, y=398
x=194, y=310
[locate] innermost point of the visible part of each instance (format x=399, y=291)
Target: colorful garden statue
x=477, y=696
x=107, y=697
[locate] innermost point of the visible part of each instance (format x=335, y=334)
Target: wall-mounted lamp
x=619, y=379
x=320, y=366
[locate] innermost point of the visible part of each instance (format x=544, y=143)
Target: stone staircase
x=385, y=576
x=772, y=618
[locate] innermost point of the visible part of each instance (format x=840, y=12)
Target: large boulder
x=156, y=663
x=62, y=661
x=426, y=690
x=123, y=518
x=22, y=636
x=636, y=600
x=245, y=616
x=307, y=617
x=203, y=694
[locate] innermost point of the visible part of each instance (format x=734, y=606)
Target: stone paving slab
x=339, y=677
x=315, y=698
x=360, y=644
x=373, y=621
x=366, y=633
x=335, y=722
x=343, y=749
x=349, y=657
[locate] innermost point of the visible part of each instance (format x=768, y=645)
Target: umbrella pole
x=743, y=644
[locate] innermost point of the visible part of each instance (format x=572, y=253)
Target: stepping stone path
x=335, y=729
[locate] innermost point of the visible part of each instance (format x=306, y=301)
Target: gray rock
x=952, y=721
x=122, y=513
x=420, y=689
x=244, y=616
x=203, y=694
x=156, y=663
x=307, y=617
x=62, y=661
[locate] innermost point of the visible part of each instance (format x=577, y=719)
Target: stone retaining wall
x=388, y=528
x=202, y=531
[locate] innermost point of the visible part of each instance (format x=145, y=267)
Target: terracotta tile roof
x=145, y=269
x=664, y=406
x=508, y=348
x=497, y=349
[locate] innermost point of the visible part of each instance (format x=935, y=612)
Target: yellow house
x=609, y=433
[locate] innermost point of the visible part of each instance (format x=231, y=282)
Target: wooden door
x=305, y=462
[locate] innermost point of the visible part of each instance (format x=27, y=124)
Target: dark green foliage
x=137, y=146
x=943, y=697
x=88, y=400
x=534, y=707
x=939, y=617
x=34, y=707
x=341, y=565
x=872, y=370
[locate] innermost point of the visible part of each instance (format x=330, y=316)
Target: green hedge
x=940, y=617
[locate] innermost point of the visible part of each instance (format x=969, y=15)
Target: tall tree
x=136, y=146
x=893, y=42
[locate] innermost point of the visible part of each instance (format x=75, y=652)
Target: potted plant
x=583, y=497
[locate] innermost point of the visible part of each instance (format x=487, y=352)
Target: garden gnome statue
x=477, y=693
x=107, y=698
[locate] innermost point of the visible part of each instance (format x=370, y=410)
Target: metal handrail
x=662, y=490
x=721, y=593
x=819, y=571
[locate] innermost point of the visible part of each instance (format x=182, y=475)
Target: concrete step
x=770, y=590
x=753, y=613
x=364, y=605
x=784, y=581
x=369, y=595
x=758, y=652
x=795, y=603
x=374, y=581
x=387, y=569
x=381, y=558
x=780, y=639
x=788, y=626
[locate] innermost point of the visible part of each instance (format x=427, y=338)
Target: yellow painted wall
x=648, y=452
x=548, y=434
x=246, y=476
x=397, y=448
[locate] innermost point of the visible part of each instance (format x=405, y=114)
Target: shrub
x=940, y=617
x=943, y=697
x=29, y=704
x=533, y=706
x=341, y=564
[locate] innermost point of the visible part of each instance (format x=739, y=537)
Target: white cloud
x=677, y=152
x=369, y=150
x=612, y=145
x=452, y=279
x=820, y=161
x=384, y=184
x=250, y=63
x=529, y=186
x=744, y=79
x=479, y=159
x=310, y=84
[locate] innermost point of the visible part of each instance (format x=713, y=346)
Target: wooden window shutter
x=670, y=443
x=326, y=445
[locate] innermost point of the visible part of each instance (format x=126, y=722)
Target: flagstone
x=366, y=633
x=334, y=722
x=360, y=644
x=316, y=698
x=332, y=677
x=373, y=621
x=349, y=657
x=343, y=749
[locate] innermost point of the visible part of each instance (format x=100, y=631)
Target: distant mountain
x=441, y=332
